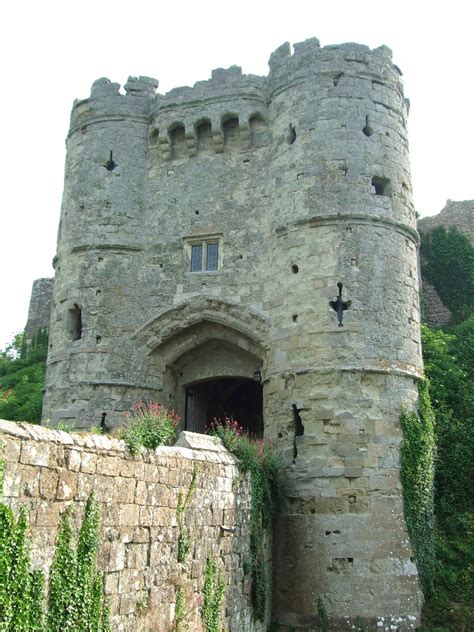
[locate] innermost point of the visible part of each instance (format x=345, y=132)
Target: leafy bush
x=257, y=457
x=149, y=425
x=22, y=371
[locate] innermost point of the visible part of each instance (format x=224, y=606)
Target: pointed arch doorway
x=216, y=379
x=210, y=350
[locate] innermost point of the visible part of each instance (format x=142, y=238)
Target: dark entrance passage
x=238, y=398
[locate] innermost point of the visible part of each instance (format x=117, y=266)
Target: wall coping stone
x=189, y=445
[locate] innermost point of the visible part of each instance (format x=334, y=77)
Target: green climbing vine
x=184, y=543
x=2, y=467
x=76, y=592
x=21, y=588
x=180, y=611
x=257, y=458
x=323, y=616
x=214, y=591
x=417, y=457
x=75, y=601
x=184, y=547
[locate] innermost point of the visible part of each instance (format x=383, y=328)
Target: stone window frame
x=204, y=241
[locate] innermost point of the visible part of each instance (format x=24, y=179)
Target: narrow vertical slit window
x=212, y=256
x=75, y=322
x=196, y=258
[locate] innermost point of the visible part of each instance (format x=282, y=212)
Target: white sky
x=51, y=52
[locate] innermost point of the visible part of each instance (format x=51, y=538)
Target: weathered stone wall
x=39, y=312
x=48, y=470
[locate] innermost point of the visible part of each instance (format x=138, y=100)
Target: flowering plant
x=149, y=424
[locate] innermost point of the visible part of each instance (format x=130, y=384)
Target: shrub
x=149, y=425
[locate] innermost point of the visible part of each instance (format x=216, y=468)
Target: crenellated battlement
x=229, y=94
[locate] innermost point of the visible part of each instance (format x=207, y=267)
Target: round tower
x=342, y=222
x=98, y=253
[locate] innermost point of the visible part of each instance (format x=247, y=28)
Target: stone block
x=108, y=465
x=111, y=583
x=73, y=460
x=48, y=484
x=131, y=581
x=136, y=556
x=12, y=480
x=48, y=514
x=10, y=448
x=128, y=515
x=85, y=485
x=13, y=429
x=115, y=559
x=29, y=485
x=141, y=493
x=38, y=453
x=89, y=462
x=67, y=485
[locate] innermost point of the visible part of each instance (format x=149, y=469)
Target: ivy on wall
x=214, y=591
x=184, y=543
x=257, y=458
x=75, y=601
x=75, y=594
x=21, y=588
x=417, y=459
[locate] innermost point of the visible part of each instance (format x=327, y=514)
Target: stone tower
x=203, y=234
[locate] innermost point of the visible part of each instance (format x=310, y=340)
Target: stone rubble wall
x=48, y=470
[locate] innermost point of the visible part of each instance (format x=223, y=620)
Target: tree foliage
x=22, y=371
x=449, y=364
